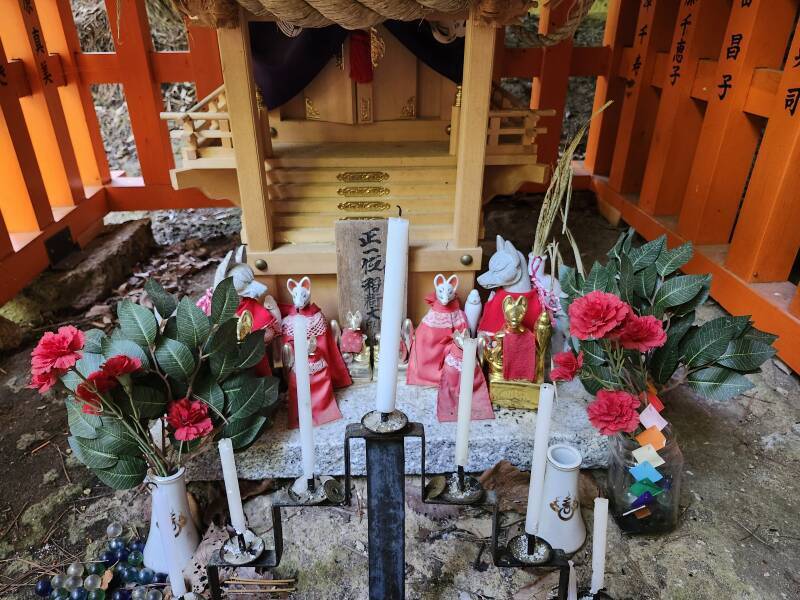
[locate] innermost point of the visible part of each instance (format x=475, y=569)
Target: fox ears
x=291, y=284
x=505, y=246
x=440, y=280
x=518, y=302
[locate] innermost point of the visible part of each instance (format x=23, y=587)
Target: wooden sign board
x=360, y=263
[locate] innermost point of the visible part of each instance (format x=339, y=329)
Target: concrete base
x=509, y=436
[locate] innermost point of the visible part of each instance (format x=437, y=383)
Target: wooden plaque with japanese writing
x=360, y=261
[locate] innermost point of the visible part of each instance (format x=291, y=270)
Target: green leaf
x=746, y=354
x=249, y=399
x=568, y=281
x=670, y=261
x=697, y=301
x=665, y=359
x=244, y=432
x=627, y=284
x=193, y=324
x=224, y=301
x=94, y=340
x=127, y=473
x=644, y=282
x=175, y=359
x=676, y=291
x=718, y=383
x=88, y=364
x=117, y=347
x=708, y=342
x=137, y=323
x=597, y=279
x=222, y=364
x=603, y=378
x=150, y=402
x=91, y=453
x=117, y=440
x=164, y=302
x=646, y=254
x=252, y=350
x=171, y=328
x=209, y=391
x=593, y=353
x=761, y=336
x=80, y=424
x=224, y=340
x=740, y=324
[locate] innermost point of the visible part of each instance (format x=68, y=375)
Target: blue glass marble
x=136, y=544
x=59, y=594
x=116, y=543
x=78, y=594
x=146, y=576
x=108, y=558
x=43, y=587
x=98, y=568
x=96, y=595
x=160, y=578
x=122, y=554
x=121, y=595
x=131, y=574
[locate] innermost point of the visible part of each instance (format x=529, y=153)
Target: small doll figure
x=434, y=334
x=352, y=342
x=327, y=367
x=252, y=298
x=447, y=398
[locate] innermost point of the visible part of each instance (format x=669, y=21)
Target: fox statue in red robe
x=434, y=335
x=327, y=368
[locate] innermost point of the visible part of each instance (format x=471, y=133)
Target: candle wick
x=384, y=417
x=311, y=484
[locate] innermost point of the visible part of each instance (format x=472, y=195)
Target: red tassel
x=360, y=57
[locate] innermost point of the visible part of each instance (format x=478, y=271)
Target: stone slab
x=509, y=436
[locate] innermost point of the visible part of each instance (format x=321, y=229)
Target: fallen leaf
x=510, y=483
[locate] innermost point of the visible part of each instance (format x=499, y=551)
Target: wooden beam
x=478, y=63
x=755, y=37
x=204, y=57
x=766, y=237
x=698, y=33
x=653, y=34
x=252, y=144
x=619, y=31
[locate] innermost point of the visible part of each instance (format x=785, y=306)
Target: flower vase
x=171, y=490
x=662, y=511
x=560, y=520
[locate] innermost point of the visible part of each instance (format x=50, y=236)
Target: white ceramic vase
x=560, y=522
x=171, y=490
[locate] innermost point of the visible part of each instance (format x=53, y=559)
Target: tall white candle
x=599, y=544
x=232, y=485
x=303, y=382
x=465, y=400
x=164, y=520
x=539, y=462
x=394, y=295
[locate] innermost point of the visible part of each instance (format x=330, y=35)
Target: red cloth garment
x=493, y=320
x=431, y=340
x=326, y=345
x=352, y=341
x=360, y=56
x=519, y=356
x=262, y=319
x=447, y=398
x=323, y=403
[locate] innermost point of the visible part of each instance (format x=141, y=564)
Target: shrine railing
x=204, y=128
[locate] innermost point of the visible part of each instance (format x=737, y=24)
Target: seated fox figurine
x=450, y=384
x=353, y=345
x=434, y=334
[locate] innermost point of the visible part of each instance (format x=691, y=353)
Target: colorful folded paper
x=645, y=471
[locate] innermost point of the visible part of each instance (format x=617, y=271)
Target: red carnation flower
x=97, y=383
x=117, y=366
x=596, y=314
x=567, y=366
x=189, y=419
x=642, y=333
x=43, y=381
x=613, y=411
x=57, y=351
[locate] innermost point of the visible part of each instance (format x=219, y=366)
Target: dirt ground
x=738, y=537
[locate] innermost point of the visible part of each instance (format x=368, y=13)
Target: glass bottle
x=664, y=508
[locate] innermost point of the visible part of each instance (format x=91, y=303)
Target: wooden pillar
x=549, y=88
x=251, y=144
x=23, y=198
x=620, y=27
x=766, y=238
x=142, y=88
x=653, y=34
x=697, y=35
x=756, y=37
x=475, y=97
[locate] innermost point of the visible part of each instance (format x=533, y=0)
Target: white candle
x=303, y=383
x=599, y=544
x=465, y=400
x=392, y=310
x=539, y=462
x=164, y=521
x=232, y=485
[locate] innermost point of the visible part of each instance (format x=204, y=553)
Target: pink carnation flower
x=596, y=314
x=614, y=411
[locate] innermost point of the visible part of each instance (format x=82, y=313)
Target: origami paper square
x=645, y=471
x=642, y=500
x=650, y=417
x=655, y=402
x=652, y=435
x=645, y=485
x=649, y=454
x=642, y=513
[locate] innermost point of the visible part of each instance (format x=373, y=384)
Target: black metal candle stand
x=269, y=557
